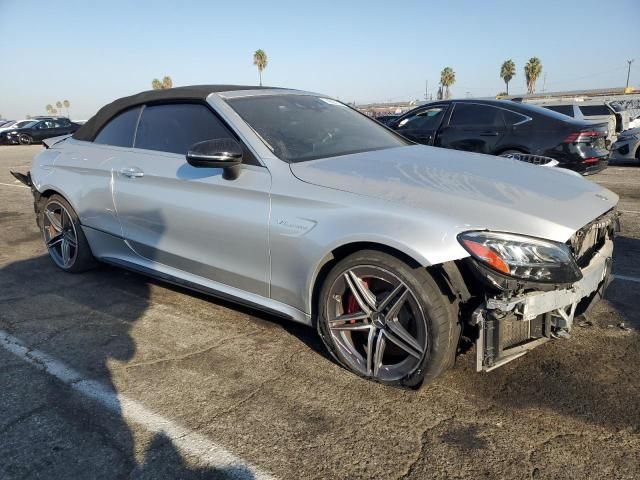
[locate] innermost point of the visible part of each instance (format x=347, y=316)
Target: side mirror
x=223, y=153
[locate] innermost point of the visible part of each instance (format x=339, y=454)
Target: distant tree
x=502, y=94
x=163, y=84
x=59, y=106
x=260, y=61
x=532, y=71
x=49, y=109
x=507, y=72
x=67, y=104
x=447, y=79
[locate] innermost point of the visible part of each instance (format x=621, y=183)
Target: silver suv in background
x=589, y=111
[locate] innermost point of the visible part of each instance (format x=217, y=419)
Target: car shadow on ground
x=82, y=321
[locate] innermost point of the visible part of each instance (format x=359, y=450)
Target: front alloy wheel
x=376, y=323
x=385, y=321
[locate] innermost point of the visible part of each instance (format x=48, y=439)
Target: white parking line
x=629, y=211
x=13, y=185
x=627, y=278
x=186, y=440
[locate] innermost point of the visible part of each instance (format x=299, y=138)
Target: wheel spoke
x=53, y=241
x=394, y=309
x=378, y=354
x=71, y=240
x=398, y=335
x=387, y=300
x=350, y=321
x=366, y=300
x=53, y=220
x=65, y=250
x=370, y=344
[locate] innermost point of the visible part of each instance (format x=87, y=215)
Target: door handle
x=131, y=172
x=489, y=134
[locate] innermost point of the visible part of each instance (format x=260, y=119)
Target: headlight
x=526, y=258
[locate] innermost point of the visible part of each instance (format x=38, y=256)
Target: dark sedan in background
x=38, y=130
x=500, y=127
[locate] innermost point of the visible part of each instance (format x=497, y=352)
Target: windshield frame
x=229, y=101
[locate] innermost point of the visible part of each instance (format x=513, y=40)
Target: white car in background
x=16, y=124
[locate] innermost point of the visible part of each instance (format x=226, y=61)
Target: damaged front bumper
x=509, y=328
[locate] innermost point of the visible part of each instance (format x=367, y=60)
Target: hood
x=467, y=190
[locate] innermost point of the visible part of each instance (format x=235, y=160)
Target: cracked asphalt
x=265, y=390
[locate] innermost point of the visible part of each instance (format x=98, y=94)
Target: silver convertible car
x=297, y=204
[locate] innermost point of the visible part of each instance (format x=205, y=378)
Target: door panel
x=473, y=128
x=194, y=220
x=85, y=170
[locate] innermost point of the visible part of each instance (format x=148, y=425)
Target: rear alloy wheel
x=386, y=321
x=24, y=139
x=63, y=236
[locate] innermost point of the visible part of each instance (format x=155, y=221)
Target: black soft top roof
x=90, y=129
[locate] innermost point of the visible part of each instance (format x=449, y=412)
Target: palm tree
x=163, y=84
x=59, y=106
x=49, y=109
x=260, y=61
x=447, y=78
x=507, y=72
x=66, y=104
x=532, y=71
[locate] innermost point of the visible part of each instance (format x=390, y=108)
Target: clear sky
x=91, y=52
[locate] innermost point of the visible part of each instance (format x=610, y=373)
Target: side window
x=564, y=109
x=175, y=127
x=40, y=126
x=588, y=110
x=512, y=118
x=120, y=130
x=468, y=114
x=428, y=119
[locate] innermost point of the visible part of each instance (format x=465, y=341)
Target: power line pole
x=426, y=90
x=544, y=82
x=629, y=70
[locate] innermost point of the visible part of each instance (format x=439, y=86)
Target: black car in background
x=38, y=130
x=499, y=127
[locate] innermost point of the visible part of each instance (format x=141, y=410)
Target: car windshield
x=25, y=124
x=298, y=128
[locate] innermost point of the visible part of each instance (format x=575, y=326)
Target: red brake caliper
x=351, y=302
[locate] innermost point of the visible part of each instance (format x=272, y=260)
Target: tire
x=426, y=315
x=508, y=152
x=24, y=139
x=63, y=236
